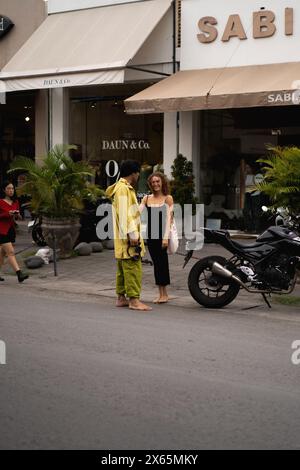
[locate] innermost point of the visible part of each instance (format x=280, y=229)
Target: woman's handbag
x=173, y=240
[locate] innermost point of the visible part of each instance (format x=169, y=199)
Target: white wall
x=55, y=6
x=276, y=49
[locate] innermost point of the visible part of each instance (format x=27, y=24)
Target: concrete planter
x=66, y=232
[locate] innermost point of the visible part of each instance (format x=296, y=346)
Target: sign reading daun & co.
x=125, y=145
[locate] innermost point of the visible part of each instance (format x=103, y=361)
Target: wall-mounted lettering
x=234, y=29
x=264, y=26
x=206, y=25
x=125, y=145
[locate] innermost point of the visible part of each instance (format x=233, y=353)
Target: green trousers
x=129, y=278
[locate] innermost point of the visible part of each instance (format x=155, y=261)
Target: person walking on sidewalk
x=159, y=207
x=129, y=245
x=9, y=212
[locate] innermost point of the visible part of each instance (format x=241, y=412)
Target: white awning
x=84, y=47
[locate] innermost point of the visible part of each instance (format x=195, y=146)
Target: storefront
x=83, y=61
x=105, y=135
x=237, y=92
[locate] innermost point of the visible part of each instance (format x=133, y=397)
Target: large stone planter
x=66, y=232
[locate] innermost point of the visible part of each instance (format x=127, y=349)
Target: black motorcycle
x=268, y=266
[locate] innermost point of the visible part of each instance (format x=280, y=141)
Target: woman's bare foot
x=122, y=301
x=136, y=304
x=163, y=300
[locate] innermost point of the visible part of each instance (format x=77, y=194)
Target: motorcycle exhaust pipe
x=218, y=269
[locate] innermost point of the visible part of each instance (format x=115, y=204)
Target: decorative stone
x=34, y=262
x=109, y=244
x=97, y=247
x=83, y=249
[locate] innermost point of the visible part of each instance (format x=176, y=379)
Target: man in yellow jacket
x=129, y=245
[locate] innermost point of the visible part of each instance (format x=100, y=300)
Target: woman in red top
x=9, y=212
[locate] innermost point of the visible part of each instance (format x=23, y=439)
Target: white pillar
x=59, y=116
x=170, y=141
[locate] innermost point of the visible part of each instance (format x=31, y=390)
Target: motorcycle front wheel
x=37, y=235
x=209, y=289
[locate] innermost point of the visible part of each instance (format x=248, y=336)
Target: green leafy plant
x=183, y=184
x=58, y=186
x=282, y=177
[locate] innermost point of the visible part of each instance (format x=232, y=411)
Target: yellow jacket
x=126, y=218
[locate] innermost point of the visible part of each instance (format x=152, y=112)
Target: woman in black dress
x=9, y=212
x=159, y=206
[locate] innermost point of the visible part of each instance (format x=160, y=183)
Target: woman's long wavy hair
x=164, y=180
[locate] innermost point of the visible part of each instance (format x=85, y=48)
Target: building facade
x=18, y=21
x=81, y=63
x=237, y=92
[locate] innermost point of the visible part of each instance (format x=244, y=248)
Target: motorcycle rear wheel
x=208, y=289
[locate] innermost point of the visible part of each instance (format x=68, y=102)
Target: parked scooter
x=267, y=266
x=35, y=226
x=282, y=216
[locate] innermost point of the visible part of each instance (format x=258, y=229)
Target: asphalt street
x=83, y=374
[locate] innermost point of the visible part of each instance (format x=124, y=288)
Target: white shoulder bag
x=173, y=239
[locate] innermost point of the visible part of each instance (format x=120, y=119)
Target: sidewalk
x=95, y=274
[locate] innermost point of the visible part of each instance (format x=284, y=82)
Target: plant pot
x=66, y=232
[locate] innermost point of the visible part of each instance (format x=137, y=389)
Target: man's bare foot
x=122, y=301
x=136, y=304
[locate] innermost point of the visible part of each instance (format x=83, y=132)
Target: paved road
x=82, y=374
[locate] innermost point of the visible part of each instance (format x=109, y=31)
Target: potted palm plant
x=281, y=181
x=58, y=188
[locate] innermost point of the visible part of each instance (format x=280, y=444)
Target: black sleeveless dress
x=157, y=217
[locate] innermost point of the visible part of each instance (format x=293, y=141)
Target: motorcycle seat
x=247, y=246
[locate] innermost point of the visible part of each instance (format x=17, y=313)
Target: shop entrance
x=17, y=129
x=231, y=143
x=105, y=135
